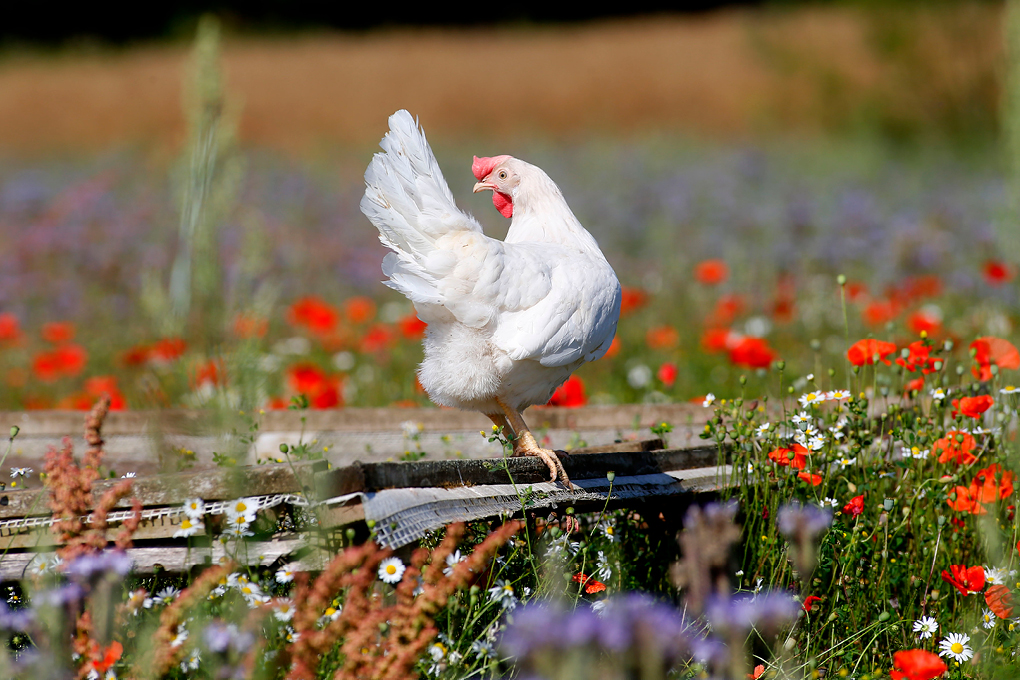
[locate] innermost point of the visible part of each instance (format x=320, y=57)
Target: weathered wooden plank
x=527, y=470
x=622, y=416
x=176, y=489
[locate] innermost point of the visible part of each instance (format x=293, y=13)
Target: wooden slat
x=622, y=416
x=177, y=489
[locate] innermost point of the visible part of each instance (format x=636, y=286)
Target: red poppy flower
x=972, y=407
x=915, y=384
x=314, y=314
x=322, y=390
x=924, y=321
x=632, y=299
x=1000, y=600
x=104, y=659
x=136, y=356
x=809, y=602
x=570, y=394
x=711, y=272
x=965, y=501
x=379, y=338
x=590, y=584
x=783, y=458
x=10, y=329
x=359, y=310
x=916, y=287
x=727, y=308
x=250, y=326
x=967, y=580
x=759, y=670
x=210, y=372
x=988, y=351
x=411, y=327
x=98, y=385
x=662, y=338
x=65, y=361
x=855, y=506
x=167, y=349
x=667, y=373
x=917, y=664
x=864, y=351
x=614, y=348
x=988, y=486
x=879, y=312
x=997, y=273
x=919, y=358
x=719, y=339
x=955, y=446
x=58, y=332
x=752, y=353
x=813, y=480
x=855, y=290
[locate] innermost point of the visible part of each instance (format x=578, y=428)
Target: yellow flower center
x=330, y=611
x=391, y=569
x=609, y=530
x=186, y=524
x=957, y=648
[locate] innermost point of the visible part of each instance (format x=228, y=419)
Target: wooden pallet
x=424, y=493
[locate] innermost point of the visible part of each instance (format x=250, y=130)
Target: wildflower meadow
x=844, y=315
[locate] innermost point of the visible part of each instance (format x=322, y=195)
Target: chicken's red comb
x=481, y=167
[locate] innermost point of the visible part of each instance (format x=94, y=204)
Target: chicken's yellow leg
x=526, y=445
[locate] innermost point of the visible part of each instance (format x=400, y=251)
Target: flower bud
x=14, y=431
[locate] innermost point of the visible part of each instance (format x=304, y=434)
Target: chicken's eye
x=502, y=174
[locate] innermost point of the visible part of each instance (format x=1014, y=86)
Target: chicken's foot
x=525, y=443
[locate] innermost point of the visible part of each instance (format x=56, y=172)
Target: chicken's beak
x=482, y=186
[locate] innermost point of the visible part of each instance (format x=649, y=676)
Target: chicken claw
x=525, y=444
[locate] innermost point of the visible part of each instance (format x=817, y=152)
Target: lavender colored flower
x=766, y=611
x=12, y=620
x=91, y=568
x=803, y=522
x=634, y=622
x=225, y=638
x=712, y=513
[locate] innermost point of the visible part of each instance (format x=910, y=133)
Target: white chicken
x=508, y=321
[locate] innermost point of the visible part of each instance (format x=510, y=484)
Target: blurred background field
x=181, y=225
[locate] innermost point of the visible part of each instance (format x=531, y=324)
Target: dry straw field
x=728, y=74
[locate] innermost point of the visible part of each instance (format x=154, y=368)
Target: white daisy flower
x=831, y=502
x=166, y=596
x=608, y=531
x=811, y=399
x=750, y=468
x=452, y=559
x=955, y=646
x=20, y=472
x=391, y=570
x=283, y=609
x=925, y=627
x=1009, y=389
x=762, y=430
x=290, y=635
x=437, y=650
x=844, y=463
x=189, y=527
x=194, y=508
x=802, y=417
x=988, y=619
x=182, y=635
x=709, y=400
x=836, y=433
x=192, y=662
x=938, y=394
x=240, y=530
x=245, y=507
x=997, y=575
x=639, y=376
x=816, y=443
x=599, y=607
x=332, y=613
x=483, y=649
x=838, y=395
x=285, y=574
x=503, y=593
x=602, y=569
x=129, y=475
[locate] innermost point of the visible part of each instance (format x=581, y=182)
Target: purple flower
x=93, y=567
x=224, y=638
x=763, y=611
x=803, y=522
